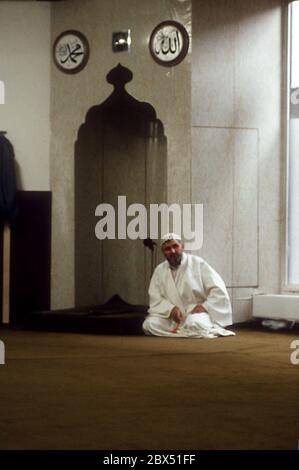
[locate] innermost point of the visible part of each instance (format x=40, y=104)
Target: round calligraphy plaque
x=71, y=51
x=169, y=43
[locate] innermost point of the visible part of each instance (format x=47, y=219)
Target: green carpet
x=74, y=391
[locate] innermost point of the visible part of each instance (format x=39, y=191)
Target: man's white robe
x=193, y=282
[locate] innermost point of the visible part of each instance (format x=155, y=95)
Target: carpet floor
x=75, y=391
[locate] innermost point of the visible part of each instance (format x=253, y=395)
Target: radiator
x=276, y=306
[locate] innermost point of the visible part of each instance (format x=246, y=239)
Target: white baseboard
x=276, y=306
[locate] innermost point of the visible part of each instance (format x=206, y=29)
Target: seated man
x=187, y=297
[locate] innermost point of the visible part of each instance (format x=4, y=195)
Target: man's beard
x=174, y=260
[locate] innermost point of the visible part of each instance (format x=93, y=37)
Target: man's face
x=173, y=251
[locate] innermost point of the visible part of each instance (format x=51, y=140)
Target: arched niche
x=121, y=150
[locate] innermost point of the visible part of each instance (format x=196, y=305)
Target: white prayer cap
x=170, y=236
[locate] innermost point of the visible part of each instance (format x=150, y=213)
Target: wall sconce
x=121, y=41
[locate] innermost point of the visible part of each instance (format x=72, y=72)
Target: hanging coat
x=8, y=187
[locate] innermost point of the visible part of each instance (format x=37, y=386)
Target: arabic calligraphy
x=70, y=53
x=168, y=42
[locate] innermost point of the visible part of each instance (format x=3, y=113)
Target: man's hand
x=176, y=315
x=199, y=309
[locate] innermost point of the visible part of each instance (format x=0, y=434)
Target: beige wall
x=166, y=89
x=236, y=120
x=25, y=70
x=237, y=141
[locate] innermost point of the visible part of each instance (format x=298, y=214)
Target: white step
x=276, y=306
